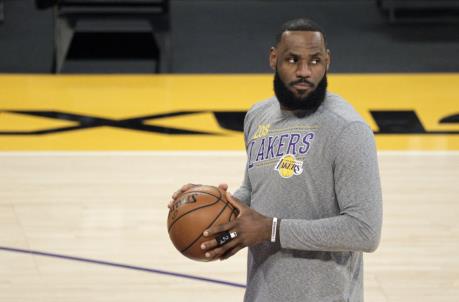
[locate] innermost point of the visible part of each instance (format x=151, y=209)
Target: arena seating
x=416, y=11
x=2, y=14
x=113, y=16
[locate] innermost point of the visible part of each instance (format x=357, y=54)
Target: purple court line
x=126, y=266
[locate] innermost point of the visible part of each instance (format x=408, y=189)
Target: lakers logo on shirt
x=287, y=166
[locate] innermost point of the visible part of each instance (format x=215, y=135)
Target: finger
x=232, y=252
x=183, y=189
x=219, y=228
x=221, y=250
x=177, y=193
x=174, y=197
x=188, y=186
x=223, y=186
x=213, y=243
x=236, y=203
x=208, y=245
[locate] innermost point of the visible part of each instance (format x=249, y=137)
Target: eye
x=315, y=61
x=292, y=60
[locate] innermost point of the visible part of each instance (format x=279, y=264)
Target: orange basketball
x=192, y=213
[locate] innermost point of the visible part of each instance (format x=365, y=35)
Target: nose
x=303, y=70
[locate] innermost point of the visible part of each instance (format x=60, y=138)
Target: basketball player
x=310, y=203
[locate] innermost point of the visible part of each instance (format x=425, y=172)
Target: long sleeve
x=358, y=194
x=243, y=193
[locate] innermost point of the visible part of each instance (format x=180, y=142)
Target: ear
x=273, y=58
x=328, y=58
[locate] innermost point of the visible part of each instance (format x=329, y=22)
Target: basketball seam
x=213, y=221
x=195, y=209
x=219, y=198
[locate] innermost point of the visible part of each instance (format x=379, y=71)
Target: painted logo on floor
x=388, y=122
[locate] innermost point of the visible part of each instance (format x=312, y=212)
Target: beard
x=310, y=103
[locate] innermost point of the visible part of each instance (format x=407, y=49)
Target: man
x=310, y=203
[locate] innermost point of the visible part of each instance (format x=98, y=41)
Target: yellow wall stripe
x=116, y=97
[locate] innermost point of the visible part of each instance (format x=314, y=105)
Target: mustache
x=301, y=80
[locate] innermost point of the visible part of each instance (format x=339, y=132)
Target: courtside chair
x=104, y=16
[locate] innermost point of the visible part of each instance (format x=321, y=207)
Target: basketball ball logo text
x=189, y=198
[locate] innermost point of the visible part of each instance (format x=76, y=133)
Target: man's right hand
x=222, y=186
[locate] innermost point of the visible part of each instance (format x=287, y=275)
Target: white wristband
x=274, y=230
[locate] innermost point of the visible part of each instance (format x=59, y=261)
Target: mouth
x=302, y=86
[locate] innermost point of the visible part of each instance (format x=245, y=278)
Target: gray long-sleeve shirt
x=319, y=174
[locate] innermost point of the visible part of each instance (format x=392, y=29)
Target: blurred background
x=221, y=36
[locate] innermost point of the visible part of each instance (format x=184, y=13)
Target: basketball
x=194, y=211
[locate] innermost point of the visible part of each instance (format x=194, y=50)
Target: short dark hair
x=301, y=24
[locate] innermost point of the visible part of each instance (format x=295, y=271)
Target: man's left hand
x=250, y=226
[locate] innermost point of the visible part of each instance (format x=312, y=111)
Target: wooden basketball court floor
x=92, y=227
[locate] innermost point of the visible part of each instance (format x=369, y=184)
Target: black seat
x=2, y=15
x=420, y=11
x=113, y=16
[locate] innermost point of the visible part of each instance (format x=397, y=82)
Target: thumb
x=236, y=203
x=223, y=186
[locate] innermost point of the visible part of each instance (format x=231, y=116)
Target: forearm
x=339, y=233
